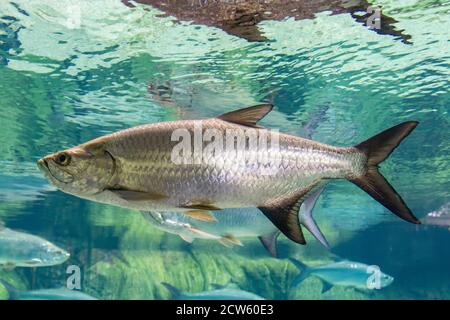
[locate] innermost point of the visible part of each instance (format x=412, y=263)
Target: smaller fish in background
x=226, y=292
x=228, y=225
x=440, y=217
x=344, y=273
x=227, y=228
x=45, y=294
x=26, y=250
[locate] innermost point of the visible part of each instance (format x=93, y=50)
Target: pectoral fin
x=307, y=219
x=269, y=241
x=283, y=213
x=200, y=206
x=131, y=195
x=229, y=241
x=201, y=215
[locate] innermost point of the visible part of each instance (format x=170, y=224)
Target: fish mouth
x=55, y=174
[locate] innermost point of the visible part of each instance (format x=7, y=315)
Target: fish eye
x=63, y=159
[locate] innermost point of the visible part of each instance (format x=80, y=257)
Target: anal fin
x=283, y=212
x=307, y=219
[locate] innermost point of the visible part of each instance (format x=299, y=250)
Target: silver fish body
x=26, y=250
x=141, y=167
x=345, y=273
x=142, y=157
x=239, y=222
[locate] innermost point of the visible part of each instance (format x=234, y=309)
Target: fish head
x=385, y=280
x=82, y=171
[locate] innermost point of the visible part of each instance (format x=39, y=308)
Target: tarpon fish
x=138, y=168
x=234, y=224
x=344, y=273
x=440, y=217
x=26, y=250
x=45, y=294
x=220, y=293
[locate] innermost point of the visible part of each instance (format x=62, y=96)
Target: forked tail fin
x=304, y=272
x=377, y=149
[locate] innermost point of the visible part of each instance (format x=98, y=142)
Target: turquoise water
x=65, y=80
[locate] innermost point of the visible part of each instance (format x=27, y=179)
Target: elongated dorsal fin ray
x=284, y=214
x=307, y=219
x=248, y=116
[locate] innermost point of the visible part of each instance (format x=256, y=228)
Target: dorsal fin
x=248, y=116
